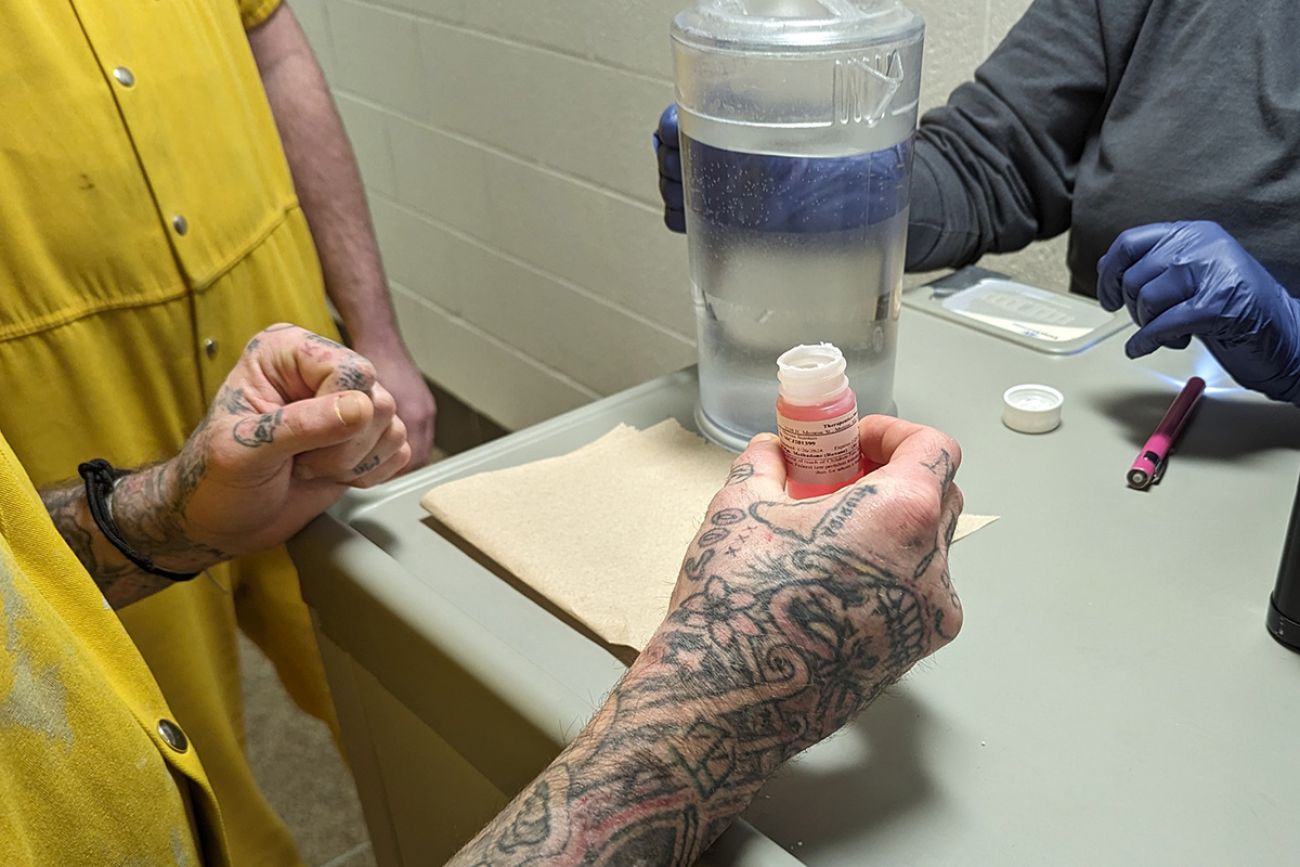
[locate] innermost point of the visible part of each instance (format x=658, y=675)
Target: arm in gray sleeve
x=994, y=168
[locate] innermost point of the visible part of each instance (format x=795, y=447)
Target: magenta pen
x=1150, y=463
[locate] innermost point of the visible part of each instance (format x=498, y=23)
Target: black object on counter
x=1284, y=608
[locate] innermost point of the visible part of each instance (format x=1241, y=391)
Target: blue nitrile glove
x=668, y=155
x=1185, y=280
x=780, y=194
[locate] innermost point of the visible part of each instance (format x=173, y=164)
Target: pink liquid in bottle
x=817, y=419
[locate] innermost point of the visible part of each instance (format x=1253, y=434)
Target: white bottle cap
x=1032, y=409
x=811, y=374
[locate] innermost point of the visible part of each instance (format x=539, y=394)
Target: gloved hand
x=668, y=155
x=780, y=194
x=1185, y=280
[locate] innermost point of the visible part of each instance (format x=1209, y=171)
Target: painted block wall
x=505, y=146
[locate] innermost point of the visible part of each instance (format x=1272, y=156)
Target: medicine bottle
x=817, y=419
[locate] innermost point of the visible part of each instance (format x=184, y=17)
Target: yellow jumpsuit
x=148, y=228
x=93, y=769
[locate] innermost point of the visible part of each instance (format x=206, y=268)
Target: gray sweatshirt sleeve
x=994, y=169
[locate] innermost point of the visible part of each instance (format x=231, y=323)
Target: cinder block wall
x=505, y=146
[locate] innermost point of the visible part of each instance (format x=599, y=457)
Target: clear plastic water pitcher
x=796, y=120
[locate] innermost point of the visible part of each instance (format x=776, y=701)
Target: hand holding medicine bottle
x=788, y=618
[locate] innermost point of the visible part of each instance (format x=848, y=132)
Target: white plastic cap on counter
x=1032, y=408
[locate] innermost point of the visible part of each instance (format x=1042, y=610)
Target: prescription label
x=819, y=452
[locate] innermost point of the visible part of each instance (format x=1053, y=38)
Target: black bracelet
x=100, y=480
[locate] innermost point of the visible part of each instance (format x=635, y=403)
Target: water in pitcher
x=790, y=250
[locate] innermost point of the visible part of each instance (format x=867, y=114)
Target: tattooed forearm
x=749, y=669
x=149, y=510
x=148, y=507
x=115, y=576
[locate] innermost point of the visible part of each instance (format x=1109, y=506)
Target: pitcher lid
x=794, y=25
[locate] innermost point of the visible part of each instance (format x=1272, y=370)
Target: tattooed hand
x=298, y=421
x=788, y=618
x=415, y=404
x=824, y=601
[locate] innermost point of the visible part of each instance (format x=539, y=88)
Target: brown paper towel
x=599, y=532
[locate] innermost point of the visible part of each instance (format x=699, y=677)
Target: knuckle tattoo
x=256, y=431
x=367, y=465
